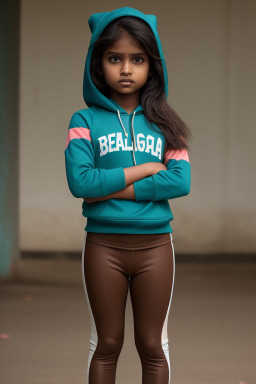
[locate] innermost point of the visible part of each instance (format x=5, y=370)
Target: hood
x=97, y=23
x=92, y=96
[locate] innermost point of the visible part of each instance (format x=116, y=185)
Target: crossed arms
x=132, y=174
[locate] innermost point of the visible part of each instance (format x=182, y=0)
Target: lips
x=126, y=81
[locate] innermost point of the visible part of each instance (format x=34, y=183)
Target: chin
x=125, y=90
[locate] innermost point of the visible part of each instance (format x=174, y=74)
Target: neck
x=127, y=102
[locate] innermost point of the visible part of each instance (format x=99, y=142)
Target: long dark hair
x=152, y=94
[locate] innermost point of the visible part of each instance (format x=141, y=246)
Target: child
x=126, y=155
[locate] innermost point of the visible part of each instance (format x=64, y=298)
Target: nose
x=126, y=68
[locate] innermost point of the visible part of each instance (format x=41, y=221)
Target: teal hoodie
x=103, y=139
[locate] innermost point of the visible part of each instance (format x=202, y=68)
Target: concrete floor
x=211, y=325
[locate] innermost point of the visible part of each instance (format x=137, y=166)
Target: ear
x=153, y=20
x=94, y=20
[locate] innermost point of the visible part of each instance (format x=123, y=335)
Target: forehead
x=126, y=44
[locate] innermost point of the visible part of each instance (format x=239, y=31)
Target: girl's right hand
x=156, y=167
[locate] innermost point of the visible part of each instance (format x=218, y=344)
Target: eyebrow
x=118, y=53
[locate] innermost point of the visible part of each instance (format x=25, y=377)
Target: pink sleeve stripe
x=78, y=133
x=177, y=154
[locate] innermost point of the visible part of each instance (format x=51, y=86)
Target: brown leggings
x=112, y=263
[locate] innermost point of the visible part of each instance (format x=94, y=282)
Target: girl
x=126, y=155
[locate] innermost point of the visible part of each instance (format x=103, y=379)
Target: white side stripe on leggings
x=94, y=335
x=165, y=340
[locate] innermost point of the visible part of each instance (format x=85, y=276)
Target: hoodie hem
x=134, y=226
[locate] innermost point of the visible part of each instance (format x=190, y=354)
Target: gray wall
x=209, y=48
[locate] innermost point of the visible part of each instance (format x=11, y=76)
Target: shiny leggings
x=111, y=264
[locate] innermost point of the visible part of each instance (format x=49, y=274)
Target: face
x=125, y=59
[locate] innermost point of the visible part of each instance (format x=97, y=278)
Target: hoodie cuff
x=144, y=189
x=114, y=180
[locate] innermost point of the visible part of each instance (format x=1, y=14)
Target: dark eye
x=116, y=57
x=140, y=58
